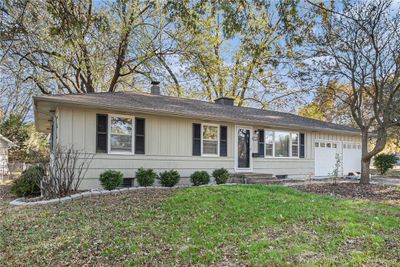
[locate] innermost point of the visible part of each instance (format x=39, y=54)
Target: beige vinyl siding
x=295, y=167
x=168, y=145
x=164, y=136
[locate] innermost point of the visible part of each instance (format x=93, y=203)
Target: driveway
x=379, y=180
x=385, y=181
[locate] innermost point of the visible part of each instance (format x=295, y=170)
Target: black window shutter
x=261, y=143
x=196, y=139
x=302, y=145
x=223, y=141
x=139, y=136
x=52, y=136
x=101, y=133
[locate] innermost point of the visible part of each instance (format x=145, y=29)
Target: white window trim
x=218, y=139
x=290, y=145
x=109, y=135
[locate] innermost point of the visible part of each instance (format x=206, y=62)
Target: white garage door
x=351, y=158
x=325, y=157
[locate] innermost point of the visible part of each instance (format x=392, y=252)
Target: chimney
x=225, y=100
x=155, y=88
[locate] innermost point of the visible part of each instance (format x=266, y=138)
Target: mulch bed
x=354, y=190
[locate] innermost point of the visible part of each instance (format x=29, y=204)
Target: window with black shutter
x=302, y=145
x=223, y=142
x=139, y=136
x=261, y=143
x=196, y=150
x=101, y=133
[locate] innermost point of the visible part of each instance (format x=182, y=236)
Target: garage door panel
x=325, y=157
x=351, y=158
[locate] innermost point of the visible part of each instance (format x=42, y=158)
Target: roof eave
x=181, y=114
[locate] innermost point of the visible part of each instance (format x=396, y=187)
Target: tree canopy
x=241, y=49
x=203, y=49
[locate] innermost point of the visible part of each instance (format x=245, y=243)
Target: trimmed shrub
x=199, y=178
x=29, y=182
x=169, y=178
x=111, y=179
x=145, y=177
x=221, y=175
x=385, y=162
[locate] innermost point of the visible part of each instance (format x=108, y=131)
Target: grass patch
x=236, y=225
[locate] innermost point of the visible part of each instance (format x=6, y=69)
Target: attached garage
x=327, y=154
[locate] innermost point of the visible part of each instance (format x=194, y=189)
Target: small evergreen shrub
x=199, y=178
x=169, y=178
x=221, y=175
x=29, y=182
x=111, y=179
x=385, y=162
x=145, y=177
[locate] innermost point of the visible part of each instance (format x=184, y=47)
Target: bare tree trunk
x=365, y=159
x=365, y=171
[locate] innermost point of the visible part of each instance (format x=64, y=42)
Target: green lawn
x=226, y=225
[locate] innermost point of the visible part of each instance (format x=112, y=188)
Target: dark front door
x=243, y=151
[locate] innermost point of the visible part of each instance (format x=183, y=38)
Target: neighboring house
x=5, y=145
x=127, y=130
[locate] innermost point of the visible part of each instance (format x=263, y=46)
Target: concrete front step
x=269, y=176
x=242, y=180
x=254, y=175
x=262, y=180
x=258, y=178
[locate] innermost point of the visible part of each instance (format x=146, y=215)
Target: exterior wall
x=168, y=145
x=294, y=167
x=3, y=158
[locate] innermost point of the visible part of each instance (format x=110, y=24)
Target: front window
x=210, y=139
x=121, y=134
x=269, y=143
x=281, y=144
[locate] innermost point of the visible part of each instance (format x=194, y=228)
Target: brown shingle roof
x=184, y=107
